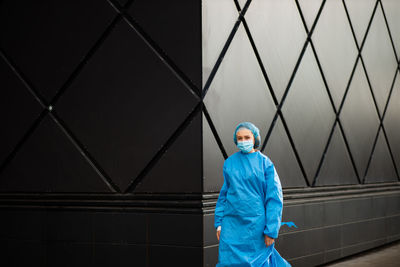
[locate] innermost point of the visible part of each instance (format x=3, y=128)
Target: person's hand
x=218, y=234
x=268, y=240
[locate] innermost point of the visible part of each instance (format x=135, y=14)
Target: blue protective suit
x=249, y=206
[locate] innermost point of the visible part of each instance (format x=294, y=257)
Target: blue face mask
x=245, y=146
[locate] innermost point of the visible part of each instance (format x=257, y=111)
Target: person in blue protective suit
x=249, y=207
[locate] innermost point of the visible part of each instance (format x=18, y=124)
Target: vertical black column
x=100, y=148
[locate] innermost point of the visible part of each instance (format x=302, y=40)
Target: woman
x=249, y=208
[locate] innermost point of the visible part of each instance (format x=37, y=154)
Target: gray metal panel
x=279, y=150
x=380, y=60
x=310, y=8
x=50, y=162
x=359, y=119
x=218, y=18
x=279, y=35
x=336, y=168
x=392, y=9
x=179, y=169
x=213, y=161
x=239, y=92
x=309, y=113
x=125, y=104
x=381, y=168
x=335, y=47
x=360, y=12
x=392, y=121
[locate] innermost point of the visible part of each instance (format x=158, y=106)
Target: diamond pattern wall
x=123, y=96
x=330, y=90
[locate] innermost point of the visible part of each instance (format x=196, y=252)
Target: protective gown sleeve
x=219, y=209
x=273, y=201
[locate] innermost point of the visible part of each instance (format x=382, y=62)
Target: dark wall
x=100, y=147
x=321, y=81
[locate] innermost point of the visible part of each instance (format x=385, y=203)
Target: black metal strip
x=225, y=49
x=176, y=203
x=136, y=181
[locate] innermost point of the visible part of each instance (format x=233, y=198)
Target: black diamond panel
x=175, y=31
x=179, y=169
x=18, y=109
x=125, y=105
x=50, y=162
x=48, y=39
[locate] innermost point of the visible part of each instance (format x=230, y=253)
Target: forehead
x=243, y=132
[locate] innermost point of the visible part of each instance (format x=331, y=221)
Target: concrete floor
x=387, y=256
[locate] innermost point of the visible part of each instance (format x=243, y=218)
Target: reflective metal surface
x=279, y=35
x=360, y=12
x=239, y=92
x=380, y=60
x=310, y=8
x=337, y=168
x=359, y=119
x=381, y=167
x=218, y=18
x=279, y=150
x=213, y=161
x=392, y=10
x=308, y=113
x=391, y=121
x=335, y=48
